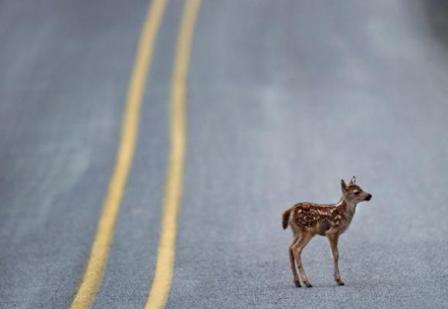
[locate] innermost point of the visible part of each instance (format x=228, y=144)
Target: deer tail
x=285, y=218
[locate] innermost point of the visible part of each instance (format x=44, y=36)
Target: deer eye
x=357, y=192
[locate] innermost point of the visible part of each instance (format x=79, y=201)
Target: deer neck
x=349, y=208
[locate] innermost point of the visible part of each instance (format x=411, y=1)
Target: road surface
x=283, y=99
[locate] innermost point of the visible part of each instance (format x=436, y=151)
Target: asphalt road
x=284, y=99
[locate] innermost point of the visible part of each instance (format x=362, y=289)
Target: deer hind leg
x=297, y=251
x=334, y=250
x=292, y=261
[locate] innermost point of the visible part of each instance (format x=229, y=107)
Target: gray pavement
x=284, y=99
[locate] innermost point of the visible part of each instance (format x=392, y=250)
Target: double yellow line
x=97, y=261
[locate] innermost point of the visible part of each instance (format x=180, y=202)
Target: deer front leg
x=292, y=261
x=297, y=251
x=333, y=238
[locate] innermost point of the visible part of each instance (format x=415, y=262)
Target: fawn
x=331, y=220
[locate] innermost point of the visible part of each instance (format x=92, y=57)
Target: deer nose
x=369, y=197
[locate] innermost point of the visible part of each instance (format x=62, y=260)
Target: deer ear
x=353, y=180
x=343, y=185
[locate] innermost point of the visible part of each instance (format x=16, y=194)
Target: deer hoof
x=340, y=283
x=308, y=285
x=297, y=283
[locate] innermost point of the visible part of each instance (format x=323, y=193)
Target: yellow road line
x=93, y=273
x=161, y=284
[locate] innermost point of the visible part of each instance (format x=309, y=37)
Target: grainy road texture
x=284, y=99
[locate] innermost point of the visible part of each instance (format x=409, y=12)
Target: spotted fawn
x=331, y=220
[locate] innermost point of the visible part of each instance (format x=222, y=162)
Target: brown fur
x=331, y=220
